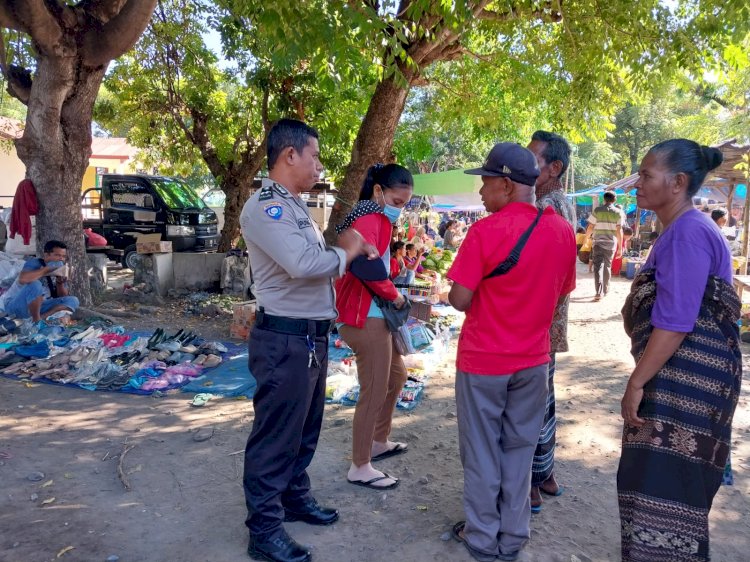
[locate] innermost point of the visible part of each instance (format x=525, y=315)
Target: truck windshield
x=178, y=195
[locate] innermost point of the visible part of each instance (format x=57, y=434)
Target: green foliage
x=156, y=92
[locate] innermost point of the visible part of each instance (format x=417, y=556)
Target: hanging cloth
x=25, y=204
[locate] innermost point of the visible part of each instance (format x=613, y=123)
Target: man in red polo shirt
x=503, y=351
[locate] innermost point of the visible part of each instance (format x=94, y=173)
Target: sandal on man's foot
x=559, y=492
x=536, y=500
x=370, y=483
x=457, y=532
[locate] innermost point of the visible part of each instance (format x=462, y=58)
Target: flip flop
x=476, y=554
x=560, y=490
x=399, y=449
x=456, y=531
x=369, y=483
x=200, y=399
x=536, y=508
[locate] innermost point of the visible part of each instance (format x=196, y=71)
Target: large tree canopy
x=72, y=44
x=575, y=59
x=181, y=102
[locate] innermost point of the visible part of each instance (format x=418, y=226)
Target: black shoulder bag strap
x=515, y=254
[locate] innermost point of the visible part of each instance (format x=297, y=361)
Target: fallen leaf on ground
x=68, y=475
x=47, y=483
x=422, y=508
x=48, y=501
x=64, y=550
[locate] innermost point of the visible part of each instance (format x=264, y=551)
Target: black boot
x=277, y=547
x=311, y=512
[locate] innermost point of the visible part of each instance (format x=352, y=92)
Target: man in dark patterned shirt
x=553, y=156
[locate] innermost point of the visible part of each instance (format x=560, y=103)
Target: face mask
x=391, y=212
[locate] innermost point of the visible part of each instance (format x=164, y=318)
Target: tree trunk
x=236, y=184
x=55, y=148
x=373, y=144
x=237, y=192
x=634, y=163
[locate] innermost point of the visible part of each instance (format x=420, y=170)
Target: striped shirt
x=606, y=219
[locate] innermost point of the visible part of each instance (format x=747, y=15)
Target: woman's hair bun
x=713, y=156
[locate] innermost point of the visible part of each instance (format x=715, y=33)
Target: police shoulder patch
x=273, y=210
x=281, y=190
x=265, y=194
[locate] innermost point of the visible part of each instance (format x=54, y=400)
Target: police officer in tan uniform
x=293, y=272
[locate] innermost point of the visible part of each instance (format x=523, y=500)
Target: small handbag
x=395, y=318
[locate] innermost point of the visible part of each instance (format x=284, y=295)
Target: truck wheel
x=128, y=258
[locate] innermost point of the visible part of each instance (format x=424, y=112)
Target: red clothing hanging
x=25, y=204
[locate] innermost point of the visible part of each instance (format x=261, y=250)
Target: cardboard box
x=421, y=310
x=239, y=332
x=243, y=313
x=153, y=247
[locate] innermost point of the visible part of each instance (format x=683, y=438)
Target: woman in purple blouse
x=681, y=316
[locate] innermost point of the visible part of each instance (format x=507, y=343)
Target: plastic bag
x=94, y=239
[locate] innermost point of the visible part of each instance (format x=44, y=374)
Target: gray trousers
x=499, y=419
x=601, y=258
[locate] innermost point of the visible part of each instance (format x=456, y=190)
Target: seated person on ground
x=37, y=294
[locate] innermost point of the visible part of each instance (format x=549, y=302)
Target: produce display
x=439, y=261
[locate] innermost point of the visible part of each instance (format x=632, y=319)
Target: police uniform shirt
x=292, y=267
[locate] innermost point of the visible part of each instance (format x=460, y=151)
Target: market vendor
x=41, y=289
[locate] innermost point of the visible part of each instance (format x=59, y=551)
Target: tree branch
x=201, y=140
x=548, y=13
x=34, y=18
x=264, y=111
x=103, y=43
x=8, y=18
x=101, y=11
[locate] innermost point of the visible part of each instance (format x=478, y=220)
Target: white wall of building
x=12, y=171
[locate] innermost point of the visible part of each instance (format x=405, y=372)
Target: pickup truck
x=126, y=206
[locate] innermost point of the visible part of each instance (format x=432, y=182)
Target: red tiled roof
x=10, y=129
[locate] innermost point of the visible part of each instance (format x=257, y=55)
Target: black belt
x=293, y=326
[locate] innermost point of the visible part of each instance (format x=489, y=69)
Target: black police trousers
x=289, y=404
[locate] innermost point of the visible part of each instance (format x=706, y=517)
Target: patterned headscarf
x=362, y=208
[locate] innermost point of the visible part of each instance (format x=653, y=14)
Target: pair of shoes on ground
x=457, y=532
x=207, y=361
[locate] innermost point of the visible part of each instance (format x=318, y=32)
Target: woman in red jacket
x=380, y=369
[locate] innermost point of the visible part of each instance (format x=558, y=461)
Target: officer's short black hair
x=286, y=133
x=717, y=214
x=50, y=246
x=557, y=148
x=610, y=197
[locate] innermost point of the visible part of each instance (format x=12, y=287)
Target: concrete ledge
x=181, y=270
x=197, y=271
x=163, y=265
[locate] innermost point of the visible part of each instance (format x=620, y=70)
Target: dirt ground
x=186, y=502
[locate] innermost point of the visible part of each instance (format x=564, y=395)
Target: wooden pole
x=572, y=176
x=730, y=197
x=636, y=230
